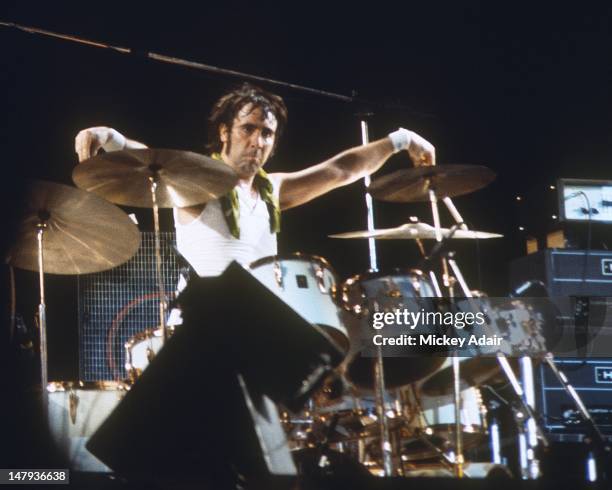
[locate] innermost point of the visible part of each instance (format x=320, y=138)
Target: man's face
x=251, y=140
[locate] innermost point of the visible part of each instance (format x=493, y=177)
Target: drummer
x=244, y=128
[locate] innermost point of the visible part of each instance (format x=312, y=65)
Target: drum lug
x=319, y=274
x=150, y=354
x=73, y=404
x=278, y=274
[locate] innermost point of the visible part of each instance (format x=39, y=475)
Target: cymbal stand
x=154, y=179
x=365, y=138
x=532, y=469
x=42, y=309
x=379, y=373
x=454, y=213
x=526, y=402
x=432, y=275
x=514, y=382
x=529, y=434
x=458, y=462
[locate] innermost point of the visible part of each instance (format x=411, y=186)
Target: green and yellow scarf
x=231, y=207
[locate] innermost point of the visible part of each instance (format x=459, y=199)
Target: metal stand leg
x=386, y=447
x=158, y=262
x=42, y=319
x=459, y=459
x=526, y=447
x=495, y=441
x=522, y=445
x=379, y=373
x=454, y=213
x=533, y=465
x=365, y=138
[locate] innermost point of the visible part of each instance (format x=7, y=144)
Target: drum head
x=306, y=283
x=365, y=294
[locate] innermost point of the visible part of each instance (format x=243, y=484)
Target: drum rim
x=103, y=385
x=342, y=288
x=142, y=335
x=395, y=271
x=146, y=334
x=295, y=256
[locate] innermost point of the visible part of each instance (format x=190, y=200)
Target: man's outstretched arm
x=299, y=187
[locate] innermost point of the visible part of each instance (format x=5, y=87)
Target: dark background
x=521, y=88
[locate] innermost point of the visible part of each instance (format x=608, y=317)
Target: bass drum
x=363, y=295
x=306, y=284
x=76, y=409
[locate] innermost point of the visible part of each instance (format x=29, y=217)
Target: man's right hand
x=89, y=141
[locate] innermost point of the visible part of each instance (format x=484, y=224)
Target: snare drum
x=76, y=410
x=305, y=283
x=365, y=294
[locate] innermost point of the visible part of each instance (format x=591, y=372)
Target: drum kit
x=399, y=415
x=390, y=416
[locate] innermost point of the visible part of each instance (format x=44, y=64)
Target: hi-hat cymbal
x=83, y=233
x=412, y=231
x=413, y=184
x=184, y=178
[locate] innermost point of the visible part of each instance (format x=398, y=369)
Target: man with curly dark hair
x=244, y=129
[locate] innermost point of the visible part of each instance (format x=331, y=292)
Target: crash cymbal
x=413, y=184
x=412, y=231
x=83, y=232
x=184, y=178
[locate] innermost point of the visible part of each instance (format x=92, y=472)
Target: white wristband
x=115, y=142
x=400, y=139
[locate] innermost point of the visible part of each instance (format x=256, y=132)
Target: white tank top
x=207, y=244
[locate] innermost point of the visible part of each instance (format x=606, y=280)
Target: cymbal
x=413, y=184
x=184, y=178
x=83, y=232
x=411, y=231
